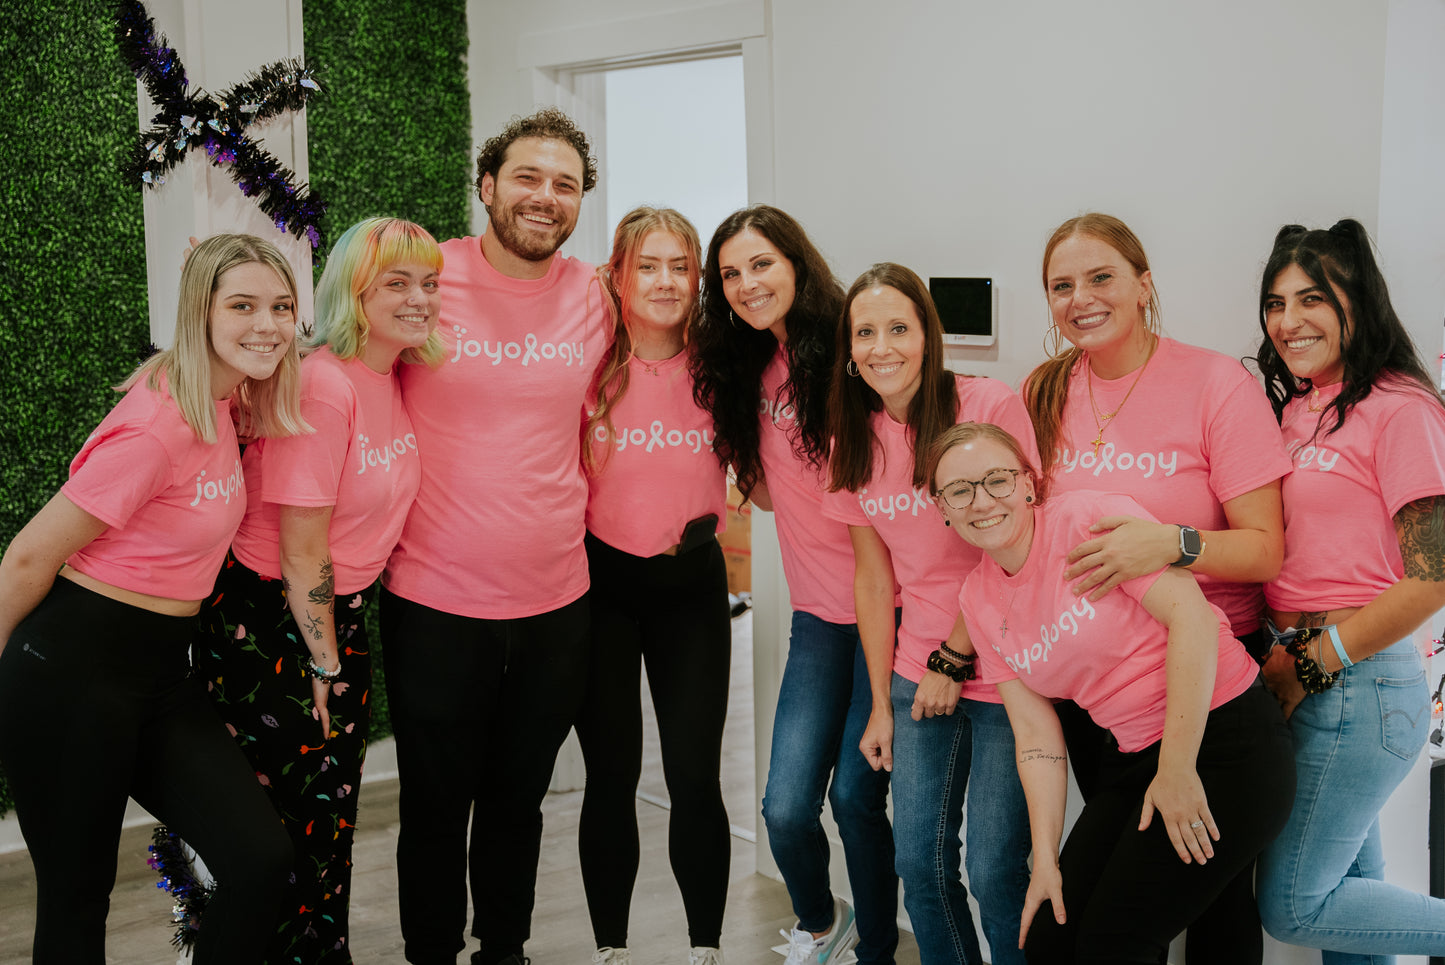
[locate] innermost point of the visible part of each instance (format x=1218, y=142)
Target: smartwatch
x=1191, y=544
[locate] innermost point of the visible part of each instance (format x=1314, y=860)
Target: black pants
x=479, y=709
x=1126, y=893
x=97, y=705
x=672, y=612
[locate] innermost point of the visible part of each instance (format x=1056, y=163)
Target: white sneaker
x=703, y=955
x=804, y=949
x=612, y=956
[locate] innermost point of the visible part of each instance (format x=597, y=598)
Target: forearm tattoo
x=1420, y=527
x=1039, y=754
x=325, y=594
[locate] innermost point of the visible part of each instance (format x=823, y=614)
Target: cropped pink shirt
x=362, y=460
x=1108, y=657
x=172, y=502
x=659, y=470
x=930, y=561
x=1340, y=544
x=496, y=529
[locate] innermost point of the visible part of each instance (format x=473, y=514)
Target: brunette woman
x=657, y=498
x=100, y=654
x=1364, y=566
x=892, y=396
x=1185, y=431
x=1197, y=779
x=761, y=365
x=283, y=646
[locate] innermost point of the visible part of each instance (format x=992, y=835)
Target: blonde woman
x=97, y=700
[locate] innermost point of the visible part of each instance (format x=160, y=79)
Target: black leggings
x=1126, y=893
x=479, y=709
x=672, y=612
x=97, y=705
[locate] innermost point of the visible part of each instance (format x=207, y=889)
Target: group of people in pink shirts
x=1194, y=584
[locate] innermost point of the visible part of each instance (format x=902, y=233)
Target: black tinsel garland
x=187, y=120
x=178, y=877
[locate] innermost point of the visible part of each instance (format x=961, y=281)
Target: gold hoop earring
x=732, y=318
x=1052, y=334
x=851, y=368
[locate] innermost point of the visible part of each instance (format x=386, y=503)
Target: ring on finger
x=1196, y=824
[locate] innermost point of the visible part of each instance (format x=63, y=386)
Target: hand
x=1282, y=681
x=1179, y=798
x=1127, y=548
x=1046, y=883
x=877, y=742
x=936, y=694
x=320, y=691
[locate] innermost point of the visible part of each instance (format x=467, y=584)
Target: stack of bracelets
x=955, y=666
x=1313, y=677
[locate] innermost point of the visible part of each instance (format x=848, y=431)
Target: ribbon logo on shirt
x=372, y=456
x=657, y=436
x=219, y=489
x=1023, y=660
x=1105, y=459
x=530, y=349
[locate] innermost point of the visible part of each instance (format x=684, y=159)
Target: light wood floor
x=757, y=907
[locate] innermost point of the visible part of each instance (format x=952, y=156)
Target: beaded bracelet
x=325, y=676
x=958, y=672
x=1313, y=677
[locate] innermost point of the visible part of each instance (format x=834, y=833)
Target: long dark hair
x=729, y=356
x=1374, y=346
x=933, y=408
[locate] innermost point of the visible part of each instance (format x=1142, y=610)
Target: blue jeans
x=823, y=708
x=1321, y=881
x=933, y=760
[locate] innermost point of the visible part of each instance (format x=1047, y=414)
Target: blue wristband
x=1345, y=660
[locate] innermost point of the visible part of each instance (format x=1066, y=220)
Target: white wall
x=953, y=137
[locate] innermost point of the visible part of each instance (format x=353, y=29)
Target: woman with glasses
x=937, y=730
x=1197, y=778
x=1185, y=431
x=1364, y=566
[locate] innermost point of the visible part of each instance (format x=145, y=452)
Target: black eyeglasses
x=999, y=483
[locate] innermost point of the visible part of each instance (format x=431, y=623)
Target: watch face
x=1189, y=540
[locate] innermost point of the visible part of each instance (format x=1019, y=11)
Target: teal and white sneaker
x=803, y=949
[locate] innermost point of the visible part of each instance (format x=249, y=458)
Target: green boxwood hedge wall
x=389, y=135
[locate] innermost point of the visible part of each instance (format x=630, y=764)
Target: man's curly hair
x=549, y=123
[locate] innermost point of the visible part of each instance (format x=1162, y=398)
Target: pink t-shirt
x=362, y=460
x=1196, y=432
x=929, y=559
x=817, y=552
x=496, y=529
x=172, y=502
x=1340, y=545
x=660, y=470
x=1108, y=657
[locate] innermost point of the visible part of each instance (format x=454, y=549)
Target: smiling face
x=1001, y=526
x=1304, y=326
x=1096, y=298
x=402, y=305
x=252, y=322
x=887, y=346
x=534, y=199
x=663, y=289
x=758, y=281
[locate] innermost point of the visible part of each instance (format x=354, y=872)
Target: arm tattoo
x=1038, y=754
x=313, y=626
x=1420, y=527
x=325, y=594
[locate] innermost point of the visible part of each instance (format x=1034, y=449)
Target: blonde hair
x=269, y=407
x=610, y=383
x=367, y=249
x=1047, y=387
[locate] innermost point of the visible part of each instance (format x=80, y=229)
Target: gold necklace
x=1314, y=404
x=1102, y=419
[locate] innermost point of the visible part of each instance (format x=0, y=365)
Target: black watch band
x=1191, y=544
